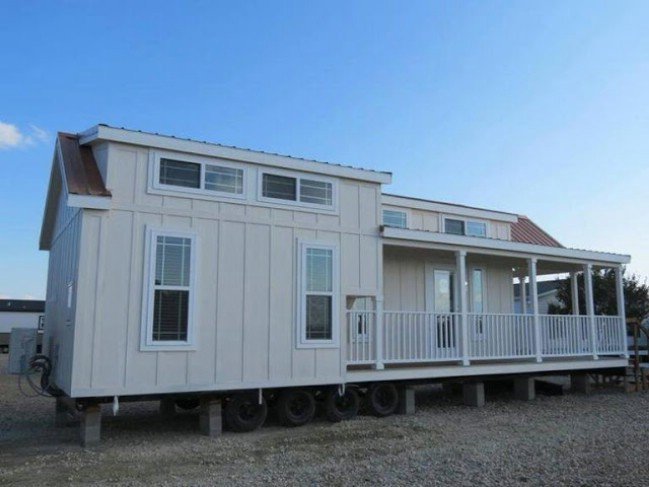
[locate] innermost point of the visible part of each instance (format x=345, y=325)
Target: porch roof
x=506, y=248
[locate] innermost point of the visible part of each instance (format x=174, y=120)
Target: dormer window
x=308, y=191
x=190, y=174
x=470, y=228
x=395, y=219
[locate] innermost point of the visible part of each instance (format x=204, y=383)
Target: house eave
x=103, y=132
x=524, y=250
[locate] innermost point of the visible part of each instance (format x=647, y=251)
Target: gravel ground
x=601, y=439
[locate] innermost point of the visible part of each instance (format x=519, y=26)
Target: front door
x=441, y=301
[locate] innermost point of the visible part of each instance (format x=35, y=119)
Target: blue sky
x=540, y=108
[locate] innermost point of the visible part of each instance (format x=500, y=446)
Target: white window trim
x=300, y=312
x=443, y=219
x=297, y=176
x=405, y=212
x=146, y=328
x=156, y=187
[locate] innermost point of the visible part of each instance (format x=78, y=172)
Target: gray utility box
x=22, y=347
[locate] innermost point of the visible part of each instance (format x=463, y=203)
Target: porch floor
x=419, y=371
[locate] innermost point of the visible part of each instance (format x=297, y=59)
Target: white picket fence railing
x=417, y=337
x=500, y=336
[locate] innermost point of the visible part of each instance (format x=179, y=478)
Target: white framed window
x=282, y=187
x=172, y=173
x=463, y=226
x=395, y=218
x=169, y=290
x=318, y=295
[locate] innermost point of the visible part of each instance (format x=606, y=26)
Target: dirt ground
x=601, y=439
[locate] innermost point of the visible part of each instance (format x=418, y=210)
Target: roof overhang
x=502, y=247
x=106, y=133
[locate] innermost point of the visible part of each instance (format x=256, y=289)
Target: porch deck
x=419, y=338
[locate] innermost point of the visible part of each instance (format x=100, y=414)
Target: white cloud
x=12, y=137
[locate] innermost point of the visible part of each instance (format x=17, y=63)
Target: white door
x=440, y=299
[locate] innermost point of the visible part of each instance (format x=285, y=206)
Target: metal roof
x=243, y=148
x=526, y=231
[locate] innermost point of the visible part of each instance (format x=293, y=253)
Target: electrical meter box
x=22, y=347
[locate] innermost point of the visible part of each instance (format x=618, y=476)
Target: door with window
x=441, y=301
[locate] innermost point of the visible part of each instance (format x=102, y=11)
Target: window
x=279, y=187
x=199, y=177
x=179, y=173
x=478, y=291
x=470, y=228
x=393, y=218
x=476, y=229
x=169, y=291
x=223, y=179
x=455, y=227
x=316, y=192
x=318, y=301
x=306, y=191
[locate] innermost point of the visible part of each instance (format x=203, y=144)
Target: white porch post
x=523, y=293
x=460, y=263
x=621, y=312
x=378, y=339
x=574, y=284
x=590, y=307
x=534, y=295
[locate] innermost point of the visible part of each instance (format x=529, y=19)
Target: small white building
x=19, y=313
x=187, y=268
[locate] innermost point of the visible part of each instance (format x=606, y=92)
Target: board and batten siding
x=245, y=330
x=404, y=277
x=61, y=297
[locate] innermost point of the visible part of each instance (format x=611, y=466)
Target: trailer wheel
x=244, y=413
x=382, y=399
x=341, y=407
x=295, y=407
x=188, y=404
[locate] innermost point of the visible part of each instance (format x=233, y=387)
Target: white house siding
x=59, y=318
x=246, y=286
x=404, y=277
x=431, y=221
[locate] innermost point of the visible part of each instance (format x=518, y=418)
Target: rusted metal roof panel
x=81, y=172
x=526, y=231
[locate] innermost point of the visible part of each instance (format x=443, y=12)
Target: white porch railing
x=417, y=337
x=500, y=336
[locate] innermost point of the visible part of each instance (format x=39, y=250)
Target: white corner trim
x=102, y=132
x=505, y=245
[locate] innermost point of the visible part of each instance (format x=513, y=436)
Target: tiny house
x=196, y=273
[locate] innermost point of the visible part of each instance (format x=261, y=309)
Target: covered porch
x=452, y=305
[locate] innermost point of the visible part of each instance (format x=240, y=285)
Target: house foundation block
x=524, y=388
x=473, y=394
x=210, y=417
x=167, y=407
x=90, y=428
x=580, y=382
x=406, y=400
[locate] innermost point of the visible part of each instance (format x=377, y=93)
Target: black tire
x=244, y=413
x=295, y=407
x=341, y=407
x=382, y=399
x=188, y=404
